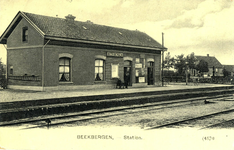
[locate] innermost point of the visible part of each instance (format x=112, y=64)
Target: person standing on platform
x=126, y=79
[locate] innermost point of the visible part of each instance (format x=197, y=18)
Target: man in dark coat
x=126, y=79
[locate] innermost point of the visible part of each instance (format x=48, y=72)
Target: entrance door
x=127, y=73
x=150, y=73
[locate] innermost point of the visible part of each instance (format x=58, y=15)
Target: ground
x=128, y=125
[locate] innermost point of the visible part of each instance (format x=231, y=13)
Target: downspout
x=6, y=63
x=43, y=66
x=162, y=58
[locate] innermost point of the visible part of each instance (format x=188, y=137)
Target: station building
x=51, y=53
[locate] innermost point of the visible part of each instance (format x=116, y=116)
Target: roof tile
x=229, y=67
x=212, y=61
x=63, y=28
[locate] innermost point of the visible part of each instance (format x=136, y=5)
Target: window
x=99, y=70
x=11, y=70
x=25, y=34
x=64, y=69
x=114, y=70
x=127, y=63
x=150, y=64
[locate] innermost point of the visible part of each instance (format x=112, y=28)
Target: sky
x=199, y=26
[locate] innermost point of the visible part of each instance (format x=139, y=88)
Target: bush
x=173, y=78
x=222, y=79
x=3, y=82
x=205, y=80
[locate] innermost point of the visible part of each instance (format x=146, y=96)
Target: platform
x=9, y=95
x=17, y=105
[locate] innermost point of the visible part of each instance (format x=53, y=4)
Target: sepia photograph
x=116, y=74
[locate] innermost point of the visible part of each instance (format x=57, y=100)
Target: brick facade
x=35, y=62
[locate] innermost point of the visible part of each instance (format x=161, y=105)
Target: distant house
x=230, y=69
x=214, y=66
x=61, y=53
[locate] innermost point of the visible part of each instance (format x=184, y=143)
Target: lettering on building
x=111, y=54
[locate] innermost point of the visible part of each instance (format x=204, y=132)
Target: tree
x=183, y=63
x=2, y=68
x=202, y=66
x=192, y=60
x=168, y=61
x=226, y=72
x=3, y=81
x=180, y=64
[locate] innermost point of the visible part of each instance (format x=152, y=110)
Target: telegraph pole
x=162, y=56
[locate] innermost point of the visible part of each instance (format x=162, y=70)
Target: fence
x=214, y=80
x=173, y=78
x=25, y=78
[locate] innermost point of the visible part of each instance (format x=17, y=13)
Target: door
x=127, y=73
x=150, y=73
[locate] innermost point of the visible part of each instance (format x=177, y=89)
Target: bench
x=120, y=84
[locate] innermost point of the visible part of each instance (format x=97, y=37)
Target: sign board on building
x=137, y=73
x=138, y=65
x=114, y=70
x=114, y=54
x=141, y=79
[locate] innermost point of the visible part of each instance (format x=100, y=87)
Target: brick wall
x=83, y=67
x=15, y=39
x=24, y=61
x=157, y=69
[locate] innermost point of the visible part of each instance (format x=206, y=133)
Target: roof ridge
x=85, y=22
x=203, y=56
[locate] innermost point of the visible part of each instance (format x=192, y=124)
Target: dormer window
x=25, y=34
x=84, y=27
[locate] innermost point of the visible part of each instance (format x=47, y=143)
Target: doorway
x=127, y=73
x=150, y=73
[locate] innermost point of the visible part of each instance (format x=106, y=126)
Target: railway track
x=11, y=111
x=97, y=114
x=218, y=117
x=226, y=123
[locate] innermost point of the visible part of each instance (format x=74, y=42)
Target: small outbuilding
x=229, y=69
x=51, y=53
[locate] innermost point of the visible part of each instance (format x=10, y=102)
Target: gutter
x=103, y=43
x=43, y=66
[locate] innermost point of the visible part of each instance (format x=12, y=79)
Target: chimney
x=89, y=22
x=70, y=17
x=207, y=55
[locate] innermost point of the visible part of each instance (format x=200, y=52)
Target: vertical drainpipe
x=43, y=66
x=162, y=56
x=6, y=63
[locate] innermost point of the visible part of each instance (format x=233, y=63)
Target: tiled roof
x=229, y=67
x=212, y=61
x=62, y=28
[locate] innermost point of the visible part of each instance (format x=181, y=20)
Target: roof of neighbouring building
x=229, y=67
x=211, y=60
x=77, y=30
